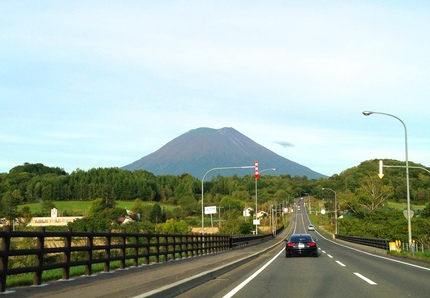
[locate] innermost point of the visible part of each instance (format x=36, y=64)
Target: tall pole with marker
x=256, y=175
x=408, y=196
x=381, y=169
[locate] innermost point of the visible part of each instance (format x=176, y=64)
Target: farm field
x=80, y=208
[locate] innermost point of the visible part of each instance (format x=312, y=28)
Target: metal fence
x=372, y=242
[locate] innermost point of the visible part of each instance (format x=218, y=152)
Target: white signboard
x=210, y=210
x=256, y=222
x=411, y=213
x=323, y=211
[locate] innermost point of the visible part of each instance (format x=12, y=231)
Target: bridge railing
x=65, y=250
x=237, y=241
x=372, y=242
x=43, y=250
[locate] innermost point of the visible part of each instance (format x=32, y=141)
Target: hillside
x=199, y=150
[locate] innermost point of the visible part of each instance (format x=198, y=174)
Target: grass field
x=403, y=206
x=81, y=207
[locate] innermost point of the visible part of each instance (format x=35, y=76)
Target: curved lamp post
x=367, y=113
x=213, y=169
x=256, y=226
x=335, y=209
x=309, y=200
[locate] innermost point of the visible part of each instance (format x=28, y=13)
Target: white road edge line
x=246, y=281
x=371, y=254
x=374, y=255
x=365, y=279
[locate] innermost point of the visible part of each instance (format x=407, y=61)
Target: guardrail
x=237, y=241
x=64, y=250
x=372, y=242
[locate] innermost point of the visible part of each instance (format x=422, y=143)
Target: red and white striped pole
x=256, y=175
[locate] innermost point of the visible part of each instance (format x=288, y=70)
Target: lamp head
x=367, y=113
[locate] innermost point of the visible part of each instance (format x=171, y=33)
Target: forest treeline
x=359, y=190
x=36, y=182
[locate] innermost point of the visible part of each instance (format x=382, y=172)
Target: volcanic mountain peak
x=199, y=150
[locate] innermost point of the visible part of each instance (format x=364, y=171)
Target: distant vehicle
x=301, y=245
x=311, y=227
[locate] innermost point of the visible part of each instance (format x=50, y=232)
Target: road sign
x=411, y=213
x=210, y=210
x=322, y=211
x=381, y=166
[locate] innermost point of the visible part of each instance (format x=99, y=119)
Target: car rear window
x=301, y=238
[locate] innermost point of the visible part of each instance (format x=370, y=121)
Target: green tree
x=173, y=227
x=138, y=207
x=235, y=224
x=9, y=203
x=87, y=223
x=425, y=213
x=47, y=207
x=228, y=203
x=157, y=214
x=97, y=207
x=189, y=205
x=373, y=194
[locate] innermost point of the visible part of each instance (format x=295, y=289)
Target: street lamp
x=335, y=209
x=256, y=226
x=309, y=200
x=213, y=169
x=367, y=113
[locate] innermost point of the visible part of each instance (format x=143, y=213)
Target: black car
x=301, y=245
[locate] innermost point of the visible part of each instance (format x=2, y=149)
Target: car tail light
x=291, y=244
x=312, y=244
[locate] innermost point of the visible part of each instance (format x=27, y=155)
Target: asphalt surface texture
x=156, y=280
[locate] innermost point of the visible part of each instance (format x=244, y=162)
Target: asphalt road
x=339, y=271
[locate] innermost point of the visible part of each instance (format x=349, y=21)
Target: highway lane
x=339, y=271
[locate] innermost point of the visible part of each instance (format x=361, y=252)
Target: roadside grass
x=425, y=256
x=26, y=279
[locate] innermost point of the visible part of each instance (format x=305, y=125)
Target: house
x=247, y=211
x=262, y=214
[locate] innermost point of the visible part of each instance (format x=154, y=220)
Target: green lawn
x=75, y=207
x=80, y=207
x=403, y=206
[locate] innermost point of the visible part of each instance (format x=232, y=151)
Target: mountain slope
x=199, y=150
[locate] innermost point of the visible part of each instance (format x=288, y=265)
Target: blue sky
x=89, y=84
